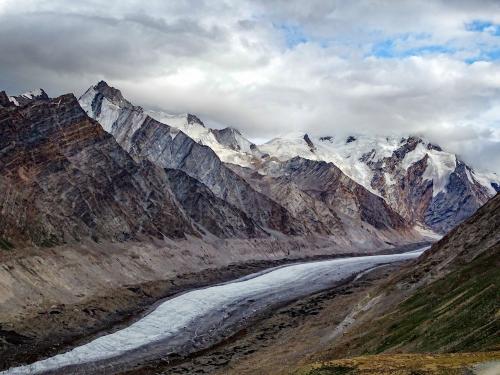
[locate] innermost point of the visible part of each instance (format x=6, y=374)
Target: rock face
x=63, y=179
x=328, y=183
x=315, y=214
x=324, y=197
x=4, y=100
x=148, y=139
x=423, y=183
x=212, y=213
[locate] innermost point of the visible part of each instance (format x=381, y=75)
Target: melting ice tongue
x=210, y=311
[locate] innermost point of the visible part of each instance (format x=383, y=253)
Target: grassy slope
x=459, y=312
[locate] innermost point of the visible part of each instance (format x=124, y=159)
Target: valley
x=119, y=225
x=198, y=319
x=249, y=187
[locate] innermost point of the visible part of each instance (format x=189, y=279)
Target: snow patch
x=486, y=179
x=205, y=136
x=440, y=165
x=32, y=94
x=14, y=100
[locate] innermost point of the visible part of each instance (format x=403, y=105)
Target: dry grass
x=402, y=364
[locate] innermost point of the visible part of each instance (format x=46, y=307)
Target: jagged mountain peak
x=103, y=102
x=234, y=140
x=109, y=107
x=418, y=178
x=36, y=93
x=111, y=93
x=310, y=143
x=28, y=96
x=102, y=84
x=193, y=119
x=4, y=100
x=228, y=130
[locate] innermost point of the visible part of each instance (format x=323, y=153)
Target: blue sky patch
x=389, y=48
x=489, y=55
x=482, y=26
x=294, y=35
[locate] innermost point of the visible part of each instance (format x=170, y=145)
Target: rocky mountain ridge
x=167, y=144
x=420, y=181
x=64, y=179
x=148, y=139
x=429, y=187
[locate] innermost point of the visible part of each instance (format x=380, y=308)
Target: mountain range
x=107, y=207
x=101, y=167
x=428, y=187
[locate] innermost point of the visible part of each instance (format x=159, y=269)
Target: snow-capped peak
x=228, y=143
x=36, y=94
x=233, y=139
x=359, y=156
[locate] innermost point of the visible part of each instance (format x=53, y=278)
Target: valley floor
x=103, y=297
x=291, y=341
x=279, y=342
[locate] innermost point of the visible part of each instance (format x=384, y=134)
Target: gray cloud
x=270, y=67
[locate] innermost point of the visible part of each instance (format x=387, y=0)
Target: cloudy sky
x=270, y=67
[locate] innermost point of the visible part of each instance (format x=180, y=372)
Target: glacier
x=171, y=320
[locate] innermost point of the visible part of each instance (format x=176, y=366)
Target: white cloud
x=234, y=63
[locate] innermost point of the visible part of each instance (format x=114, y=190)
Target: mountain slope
x=419, y=180
x=65, y=179
x=326, y=199
x=168, y=147
x=212, y=213
x=169, y=143
x=446, y=301
x=327, y=183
